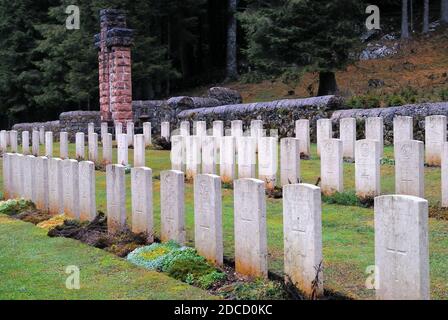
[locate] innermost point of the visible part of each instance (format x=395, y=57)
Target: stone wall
x=279, y=114
x=417, y=111
x=53, y=126
x=77, y=121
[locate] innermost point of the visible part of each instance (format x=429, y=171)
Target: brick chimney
x=114, y=59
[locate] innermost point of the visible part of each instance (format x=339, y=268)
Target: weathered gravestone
x=63, y=147
x=251, y=251
x=208, y=155
x=227, y=159
x=165, y=131
x=130, y=133
x=49, y=144
x=435, y=137
x=302, y=224
x=185, y=128
x=29, y=178
x=347, y=130
x=55, y=184
x=409, y=168
x=35, y=143
x=139, y=151
x=332, y=170
x=42, y=184
x=87, y=191
x=122, y=150
x=268, y=161
x=26, y=143
x=401, y=248
x=116, y=197
x=192, y=156
x=14, y=141
x=93, y=147
x=70, y=185
x=247, y=157
x=80, y=146
x=403, y=129
x=208, y=218
x=200, y=128
x=289, y=161
x=142, y=212
x=324, y=131
x=374, y=128
x=107, y=149
x=177, y=153
x=367, y=169
x=303, y=134
x=147, y=133
x=172, y=206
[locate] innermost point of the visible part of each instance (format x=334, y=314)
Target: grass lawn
x=348, y=235
x=33, y=267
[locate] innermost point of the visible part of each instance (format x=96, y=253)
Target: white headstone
x=367, y=169
x=107, y=149
x=56, y=192
x=104, y=130
x=303, y=134
x=139, y=151
x=29, y=178
x=218, y=128
x=122, y=147
x=17, y=177
x=409, y=168
x=165, y=131
x=41, y=135
x=289, y=161
x=87, y=191
x=80, y=146
x=227, y=159
x=435, y=137
x=185, y=128
x=147, y=132
x=7, y=192
x=70, y=185
x=347, y=130
x=177, y=153
x=247, y=157
x=142, y=212
x=268, y=160
x=63, y=148
x=192, y=156
x=237, y=130
x=444, y=174
x=324, y=131
x=3, y=141
x=49, y=144
x=42, y=184
x=332, y=177
x=374, y=128
x=130, y=133
x=90, y=128
x=35, y=143
x=200, y=128
x=401, y=248
x=208, y=218
x=26, y=143
x=208, y=155
x=172, y=206
x=116, y=197
x=251, y=250
x=93, y=147
x=118, y=130
x=256, y=130
x=14, y=141
x=302, y=229
x=403, y=129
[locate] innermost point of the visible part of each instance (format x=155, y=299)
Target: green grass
x=33, y=267
x=348, y=235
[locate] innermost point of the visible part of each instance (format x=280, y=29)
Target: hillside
x=417, y=73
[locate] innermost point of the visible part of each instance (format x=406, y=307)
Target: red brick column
x=114, y=61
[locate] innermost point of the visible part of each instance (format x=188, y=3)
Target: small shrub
x=395, y=100
x=152, y=257
x=344, y=198
x=444, y=94
x=210, y=279
x=15, y=206
x=256, y=290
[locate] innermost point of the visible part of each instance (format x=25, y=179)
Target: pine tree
x=289, y=36
x=404, y=19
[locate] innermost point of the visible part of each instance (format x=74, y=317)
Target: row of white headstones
x=68, y=186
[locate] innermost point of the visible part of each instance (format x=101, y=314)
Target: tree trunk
x=232, y=68
x=426, y=16
x=404, y=20
x=327, y=84
x=444, y=11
